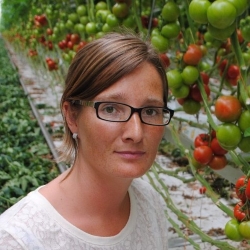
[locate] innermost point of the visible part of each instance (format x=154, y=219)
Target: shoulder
x=20, y=211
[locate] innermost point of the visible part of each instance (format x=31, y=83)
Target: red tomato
x=216, y=147
x=201, y=140
x=233, y=71
x=204, y=77
x=75, y=38
x=193, y=55
x=218, y=162
x=202, y=190
x=165, y=60
x=240, y=187
x=227, y=108
x=239, y=213
x=203, y=154
x=247, y=191
x=196, y=94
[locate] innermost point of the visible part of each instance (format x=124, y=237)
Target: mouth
x=131, y=155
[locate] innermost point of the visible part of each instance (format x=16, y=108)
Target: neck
x=95, y=193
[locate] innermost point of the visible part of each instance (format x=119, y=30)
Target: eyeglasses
x=120, y=112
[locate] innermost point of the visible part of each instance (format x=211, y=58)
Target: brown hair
x=100, y=64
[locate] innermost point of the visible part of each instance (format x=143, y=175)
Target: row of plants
x=205, y=46
x=25, y=159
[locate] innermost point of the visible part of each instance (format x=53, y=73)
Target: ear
x=70, y=117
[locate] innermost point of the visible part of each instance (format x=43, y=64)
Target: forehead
x=144, y=84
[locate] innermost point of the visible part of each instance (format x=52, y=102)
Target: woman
x=115, y=109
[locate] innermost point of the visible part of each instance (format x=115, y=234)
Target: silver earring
x=74, y=136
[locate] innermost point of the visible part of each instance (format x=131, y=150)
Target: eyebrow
x=118, y=97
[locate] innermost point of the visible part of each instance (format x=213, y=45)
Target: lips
x=132, y=155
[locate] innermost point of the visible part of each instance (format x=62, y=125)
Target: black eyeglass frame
x=133, y=110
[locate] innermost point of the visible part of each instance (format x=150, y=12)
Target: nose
x=133, y=129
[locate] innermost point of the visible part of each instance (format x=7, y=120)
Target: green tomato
x=221, y=14
x=170, y=11
x=240, y=5
x=106, y=28
x=198, y=10
x=181, y=92
x=246, y=56
x=69, y=24
x=244, y=229
x=245, y=30
x=190, y=74
x=91, y=28
x=191, y=106
x=112, y=20
x=171, y=30
x=244, y=144
x=155, y=31
x=99, y=34
x=81, y=10
x=174, y=78
x=244, y=120
x=228, y=135
x=129, y=22
x=84, y=20
x=101, y=15
x=160, y=43
x=101, y=6
x=221, y=34
x=232, y=230
x=73, y=17
x=120, y=10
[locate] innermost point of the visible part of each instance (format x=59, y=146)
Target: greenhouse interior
x=201, y=171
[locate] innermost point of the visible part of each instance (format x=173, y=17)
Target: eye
x=109, y=109
x=152, y=111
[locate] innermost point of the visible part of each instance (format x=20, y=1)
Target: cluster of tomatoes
x=208, y=152
x=40, y=20
x=219, y=15
x=170, y=27
x=230, y=72
x=183, y=83
x=234, y=130
x=32, y=53
x=51, y=64
x=245, y=28
x=238, y=228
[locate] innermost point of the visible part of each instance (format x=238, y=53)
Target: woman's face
x=122, y=149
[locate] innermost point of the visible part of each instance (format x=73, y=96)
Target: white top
x=34, y=224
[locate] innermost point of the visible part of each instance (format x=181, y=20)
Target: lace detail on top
x=34, y=224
